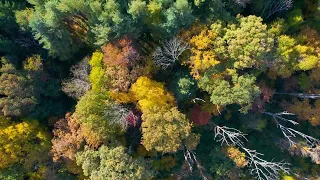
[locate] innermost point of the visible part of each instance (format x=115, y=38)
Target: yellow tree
x=202, y=52
x=17, y=144
x=150, y=93
x=164, y=128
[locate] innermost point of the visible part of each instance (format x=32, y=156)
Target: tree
x=27, y=89
x=112, y=163
x=183, y=86
x=168, y=55
x=96, y=112
x=222, y=93
x=96, y=76
x=272, y=7
x=123, y=65
x=292, y=56
x=305, y=111
x=178, y=15
x=56, y=28
x=236, y=156
x=248, y=51
x=67, y=139
x=200, y=116
x=151, y=94
x=160, y=119
x=79, y=84
x=201, y=47
x=112, y=22
x=259, y=167
x=161, y=124
x=18, y=145
x=19, y=97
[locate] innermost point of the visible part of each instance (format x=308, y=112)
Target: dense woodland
x=160, y=89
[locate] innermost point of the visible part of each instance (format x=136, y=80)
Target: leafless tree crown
x=291, y=134
x=169, y=53
x=242, y=3
x=260, y=168
x=79, y=84
x=273, y=6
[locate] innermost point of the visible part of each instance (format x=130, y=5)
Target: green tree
x=164, y=130
x=248, y=51
x=97, y=112
x=27, y=89
x=242, y=90
x=112, y=163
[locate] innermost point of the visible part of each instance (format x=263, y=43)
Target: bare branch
x=274, y=6
x=168, y=55
x=79, y=84
x=291, y=134
x=191, y=159
x=229, y=136
x=263, y=169
x=242, y=3
x=279, y=116
x=118, y=115
x=302, y=95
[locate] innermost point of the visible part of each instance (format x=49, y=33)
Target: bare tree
x=301, y=95
x=79, y=84
x=291, y=134
x=262, y=169
x=242, y=3
x=118, y=115
x=191, y=159
x=273, y=6
x=229, y=136
x=169, y=53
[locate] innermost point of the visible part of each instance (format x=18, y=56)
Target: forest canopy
x=159, y=89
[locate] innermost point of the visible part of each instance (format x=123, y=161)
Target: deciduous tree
x=112, y=163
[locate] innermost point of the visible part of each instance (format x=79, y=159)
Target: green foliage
x=112, y=163
x=295, y=19
x=241, y=91
x=27, y=88
x=183, y=86
x=14, y=172
x=95, y=111
x=248, y=51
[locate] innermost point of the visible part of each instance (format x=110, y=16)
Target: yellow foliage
x=97, y=73
x=121, y=97
x=288, y=178
x=17, y=144
x=39, y=174
x=238, y=157
x=203, y=56
x=150, y=93
x=33, y=63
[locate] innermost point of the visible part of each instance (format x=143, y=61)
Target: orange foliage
x=305, y=110
x=238, y=157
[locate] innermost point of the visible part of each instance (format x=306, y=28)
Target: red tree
x=199, y=116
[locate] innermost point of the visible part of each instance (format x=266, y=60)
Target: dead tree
x=79, y=84
x=273, y=6
x=169, y=53
x=191, y=160
x=291, y=134
x=262, y=169
x=301, y=95
x=242, y=3
x=119, y=115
